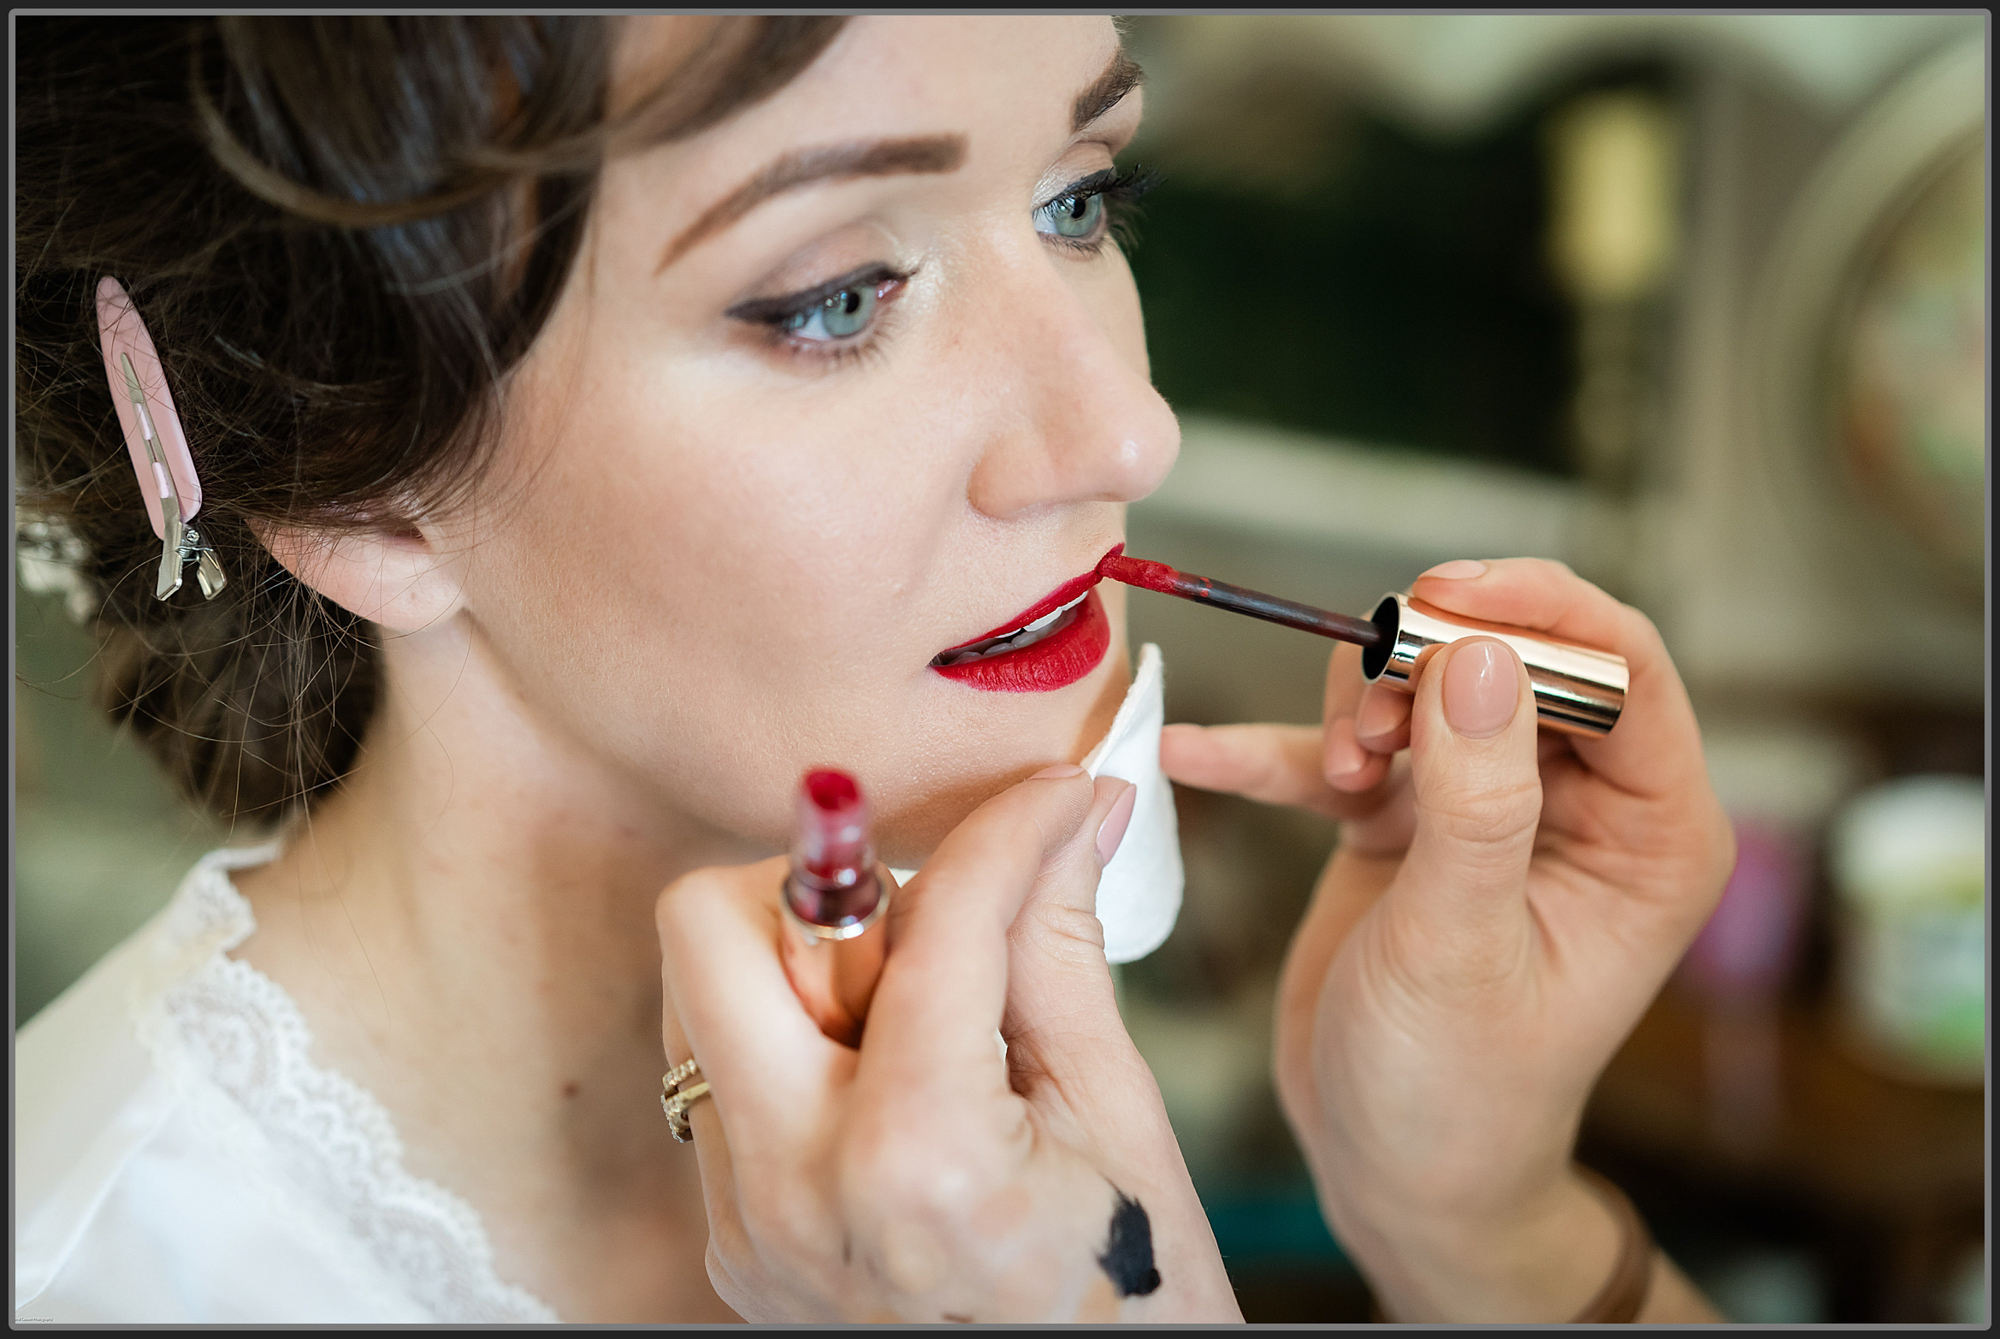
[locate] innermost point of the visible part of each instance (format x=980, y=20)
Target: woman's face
x=850, y=381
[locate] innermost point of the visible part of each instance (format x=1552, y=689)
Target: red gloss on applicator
x=1237, y=599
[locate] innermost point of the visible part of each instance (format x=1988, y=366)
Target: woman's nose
x=1074, y=416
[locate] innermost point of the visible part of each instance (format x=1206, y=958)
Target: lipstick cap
x=1578, y=691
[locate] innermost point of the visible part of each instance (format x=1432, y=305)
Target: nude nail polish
x=1480, y=689
x=1344, y=757
x=1458, y=569
x=1379, y=715
x=1112, y=831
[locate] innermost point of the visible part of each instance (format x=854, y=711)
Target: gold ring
x=675, y=1100
x=678, y=1075
x=676, y=1108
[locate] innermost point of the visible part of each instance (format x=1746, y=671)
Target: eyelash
x=774, y=315
x=1120, y=191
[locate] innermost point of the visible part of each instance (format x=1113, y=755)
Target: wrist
x=1546, y=1258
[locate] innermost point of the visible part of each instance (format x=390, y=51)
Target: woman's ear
x=397, y=579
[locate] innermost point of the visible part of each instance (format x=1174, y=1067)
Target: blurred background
x=1694, y=304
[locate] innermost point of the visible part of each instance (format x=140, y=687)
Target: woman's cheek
x=1121, y=313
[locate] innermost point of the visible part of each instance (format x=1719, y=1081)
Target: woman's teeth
x=1013, y=641
x=1049, y=618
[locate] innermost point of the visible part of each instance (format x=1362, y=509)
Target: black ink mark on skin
x=1128, y=1259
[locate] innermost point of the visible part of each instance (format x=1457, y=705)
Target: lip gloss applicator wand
x=1578, y=690
x=834, y=897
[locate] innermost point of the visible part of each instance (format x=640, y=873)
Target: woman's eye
x=838, y=313
x=1074, y=215
x=839, y=316
x=1095, y=211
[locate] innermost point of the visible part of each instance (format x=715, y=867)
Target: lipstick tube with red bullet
x=834, y=899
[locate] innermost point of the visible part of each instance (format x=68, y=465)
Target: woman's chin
x=1040, y=729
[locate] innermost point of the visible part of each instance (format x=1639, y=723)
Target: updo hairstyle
x=342, y=234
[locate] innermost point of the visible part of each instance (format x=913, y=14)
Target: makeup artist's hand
x=1501, y=909
x=925, y=1176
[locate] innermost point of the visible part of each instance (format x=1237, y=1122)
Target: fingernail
x=1060, y=769
x=1480, y=689
x=1344, y=757
x=1379, y=715
x=1458, y=569
x=1112, y=830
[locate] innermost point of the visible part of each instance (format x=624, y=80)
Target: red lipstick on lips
x=1018, y=658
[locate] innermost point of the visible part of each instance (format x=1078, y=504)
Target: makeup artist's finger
x=1655, y=749
x=765, y=1059
x=1352, y=759
x=1068, y=1050
x=1386, y=830
x=1057, y=930
x=712, y=1160
x=1382, y=720
x=1067, y=1046
x=1347, y=765
x=704, y=911
x=1059, y=992
x=944, y=986
x=1273, y=764
x=1344, y=682
x=1478, y=798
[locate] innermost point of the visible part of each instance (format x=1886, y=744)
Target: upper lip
x=1048, y=604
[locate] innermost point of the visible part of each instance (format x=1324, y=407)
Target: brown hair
x=342, y=233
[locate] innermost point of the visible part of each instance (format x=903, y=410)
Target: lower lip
x=1056, y=661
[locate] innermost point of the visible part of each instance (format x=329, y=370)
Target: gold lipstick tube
x=834, y=969
x=1578, y=691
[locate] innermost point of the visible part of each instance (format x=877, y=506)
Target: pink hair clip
x=158, y=446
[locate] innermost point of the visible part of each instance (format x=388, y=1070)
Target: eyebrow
x=841, y=162
x=875, y=158
x=1120, y=77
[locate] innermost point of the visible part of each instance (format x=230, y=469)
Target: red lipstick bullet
x=834, y=896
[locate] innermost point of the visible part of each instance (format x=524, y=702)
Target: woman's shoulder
x=128, y=1207
x=87, y=1089
x=82, y=1058
x=86, y=1096
x=182, y=1158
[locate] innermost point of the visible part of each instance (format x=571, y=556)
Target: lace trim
x=242, y=1032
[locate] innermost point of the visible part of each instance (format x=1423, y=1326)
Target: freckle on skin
x=572, y=1088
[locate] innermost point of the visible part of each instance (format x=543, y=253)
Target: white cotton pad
x=1139, y=897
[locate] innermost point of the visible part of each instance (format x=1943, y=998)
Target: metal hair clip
x=183, y=543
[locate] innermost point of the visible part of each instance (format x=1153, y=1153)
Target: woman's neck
x=468, y=926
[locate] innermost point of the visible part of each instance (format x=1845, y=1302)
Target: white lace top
x=179, y=1158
